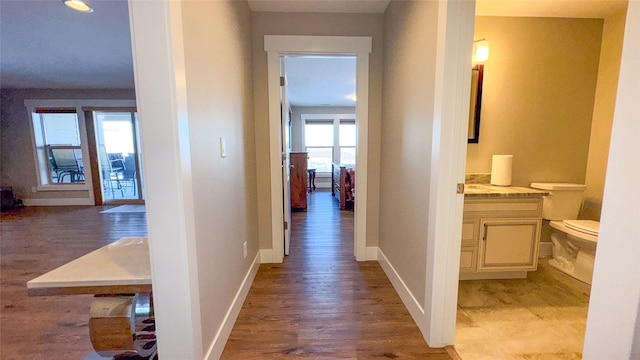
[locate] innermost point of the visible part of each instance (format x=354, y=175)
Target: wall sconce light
x=78, y=5
x=480, y=51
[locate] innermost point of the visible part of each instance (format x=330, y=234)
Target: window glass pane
x=347, y=155
x=118, y=136
x=347, y=135
x=318, y=135
x=61, y=129
x=320, y=159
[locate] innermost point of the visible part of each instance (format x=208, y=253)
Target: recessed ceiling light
x=78, y=5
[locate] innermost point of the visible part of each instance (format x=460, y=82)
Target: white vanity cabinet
x=500, y=236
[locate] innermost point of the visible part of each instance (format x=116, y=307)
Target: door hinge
x=281, y=80
x=286, y=225
x=460, y=188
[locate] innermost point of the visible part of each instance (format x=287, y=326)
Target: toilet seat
x=562, y=226
x=586, y=226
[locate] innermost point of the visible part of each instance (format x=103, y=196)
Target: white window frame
x=33, y=104
x=335, y=118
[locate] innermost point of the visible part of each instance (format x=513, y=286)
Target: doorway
x=318, y=133
x=118, y=149
x=548, y=298
x=276, y=47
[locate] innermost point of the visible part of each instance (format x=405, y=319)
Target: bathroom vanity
x=500, y=231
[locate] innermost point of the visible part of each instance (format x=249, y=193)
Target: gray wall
x=603, y=108
x=315, y=24
x=538, y=96
x=297, y=125
x=17, y=166
x=217, y=44
x=407, y=121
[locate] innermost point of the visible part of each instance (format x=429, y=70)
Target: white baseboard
x=58, y=202
x=371, y=253
x=410, y=302
x=220, y=340
x=266, y=256
x=545, y=250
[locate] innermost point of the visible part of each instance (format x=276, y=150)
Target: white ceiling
x=324, y=81
x=43, y=44
x=597, y=9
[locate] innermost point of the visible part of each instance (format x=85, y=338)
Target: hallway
x=322, y=304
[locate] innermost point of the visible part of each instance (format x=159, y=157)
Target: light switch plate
x=223, y=147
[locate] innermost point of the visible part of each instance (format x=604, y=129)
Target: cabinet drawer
x=468, y=259
x=520, y=207
x=470, y=232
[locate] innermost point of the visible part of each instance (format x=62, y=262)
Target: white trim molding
x=317, y=44
x=282, y=45
x=220, y=340
x=58, y=202
x=456, y=20
x=409, y=301
x=266, y=256
x=372, y=253
x=157, y=45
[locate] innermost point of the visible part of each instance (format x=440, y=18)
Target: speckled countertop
x=486, y=190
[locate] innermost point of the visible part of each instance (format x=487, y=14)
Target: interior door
x=285, y=126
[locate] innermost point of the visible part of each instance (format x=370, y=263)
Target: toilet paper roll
x=501, y=166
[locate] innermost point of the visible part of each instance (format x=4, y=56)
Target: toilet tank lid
x=558, y=186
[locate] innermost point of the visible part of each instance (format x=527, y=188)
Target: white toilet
x=574, y=241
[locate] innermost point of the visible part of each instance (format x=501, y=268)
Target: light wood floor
x=322, y=304
x=319, y=304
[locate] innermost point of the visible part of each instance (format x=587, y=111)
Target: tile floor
x=541, y=317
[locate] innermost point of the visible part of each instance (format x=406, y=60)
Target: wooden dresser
x=298, y=181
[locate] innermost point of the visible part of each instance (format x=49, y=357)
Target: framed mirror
x=475, y=104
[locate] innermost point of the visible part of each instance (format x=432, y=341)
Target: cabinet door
x=509, y=244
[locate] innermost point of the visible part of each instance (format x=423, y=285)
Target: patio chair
x=64, y=162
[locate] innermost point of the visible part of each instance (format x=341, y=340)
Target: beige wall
x=17, y=164
x=407, y=120
x=538, y=96
x=217, y=48
x=315, y=24
x=606, y=89
x=297, y=125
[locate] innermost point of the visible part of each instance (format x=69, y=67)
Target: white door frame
x=278, y=45
x=456, y=21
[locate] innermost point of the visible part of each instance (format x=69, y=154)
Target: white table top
x=120, y=267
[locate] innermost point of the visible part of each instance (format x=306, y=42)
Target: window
x=58, y=146
x=347, y=144
x=329, y=138
x=318, y=138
